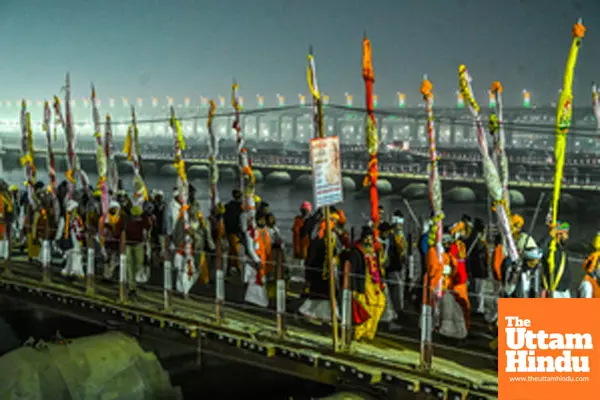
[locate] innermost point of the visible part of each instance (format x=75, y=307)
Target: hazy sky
x=144, y=48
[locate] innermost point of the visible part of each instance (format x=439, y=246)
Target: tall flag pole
x=109, y=149
x=136, y=142
x=372, y=139
x=328, y=270
x=51, y=161
x=213, y=145
x=491, y=176
x=496, y=127
x=247, y=187
x=435, y=201
x=27, y=156
x=183, y=191
x=564, y=111
x=101, y=166
x=596, y=105
x=213, y=176
x=131, y=149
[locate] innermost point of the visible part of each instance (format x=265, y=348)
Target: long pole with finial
x=564, y=111
x=313, y=86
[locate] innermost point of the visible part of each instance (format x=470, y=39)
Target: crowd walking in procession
x=395, y=265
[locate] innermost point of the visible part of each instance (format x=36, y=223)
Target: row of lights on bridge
x=222, y=103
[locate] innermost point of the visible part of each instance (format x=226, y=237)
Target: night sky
x=179, y=48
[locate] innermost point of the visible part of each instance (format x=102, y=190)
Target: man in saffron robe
x=367, y=285
x=300, y=239
x=233, y=230
x=448, y=289
x=590, y=284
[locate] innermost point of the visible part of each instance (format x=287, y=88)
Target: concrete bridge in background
x=462, y=182
x=524, y=127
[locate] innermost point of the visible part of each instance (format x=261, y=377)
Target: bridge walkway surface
x=389, y=363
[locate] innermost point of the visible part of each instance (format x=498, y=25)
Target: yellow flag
x=128, y=146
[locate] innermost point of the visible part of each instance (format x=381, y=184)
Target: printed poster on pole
x=326, y=171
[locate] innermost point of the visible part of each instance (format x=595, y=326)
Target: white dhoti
x=4, y=249
x=319, y=309
x=389, y=314
x=255, y=294
x=74, y=264
x=452, y=320
x=566, y=294
x=184, y=281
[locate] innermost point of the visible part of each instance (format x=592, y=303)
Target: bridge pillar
x=453, y=133
x=257, y=125
x=294, y=129
x=280, y=128
x=414, y=132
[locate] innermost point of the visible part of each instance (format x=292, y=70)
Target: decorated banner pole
x=313, y=86
x=247, y=187
x=51, y=161
x=564, y=112
x=490, y=174
x=596, y=104
x=183, y=191
x=372, y=140
x=27, y=154
x=435, y=201
x=109, y=149
x=136, y=142
x=131, y=149
x=102, y=186
x=496, y=127
x=213, y=171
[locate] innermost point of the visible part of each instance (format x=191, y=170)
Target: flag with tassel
x=564, y=111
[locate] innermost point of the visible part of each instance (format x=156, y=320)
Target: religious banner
x=326, y=171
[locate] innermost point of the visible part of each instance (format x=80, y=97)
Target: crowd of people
x=389, y=272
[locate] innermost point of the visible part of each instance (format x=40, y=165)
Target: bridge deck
x=389, y=361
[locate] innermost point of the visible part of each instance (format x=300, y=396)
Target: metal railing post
x=46, y=253
x=168, y=275
x=122, y=269
x=281, y=300
x=90, y=265
x=220, y=280
x=346, y=307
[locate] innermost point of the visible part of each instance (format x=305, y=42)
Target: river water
x=285, y=201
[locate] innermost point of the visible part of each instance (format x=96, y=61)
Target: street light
x=401, y=100
x=460, y=100
x=492, y=98
x=526, y=98
x=302, y=99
